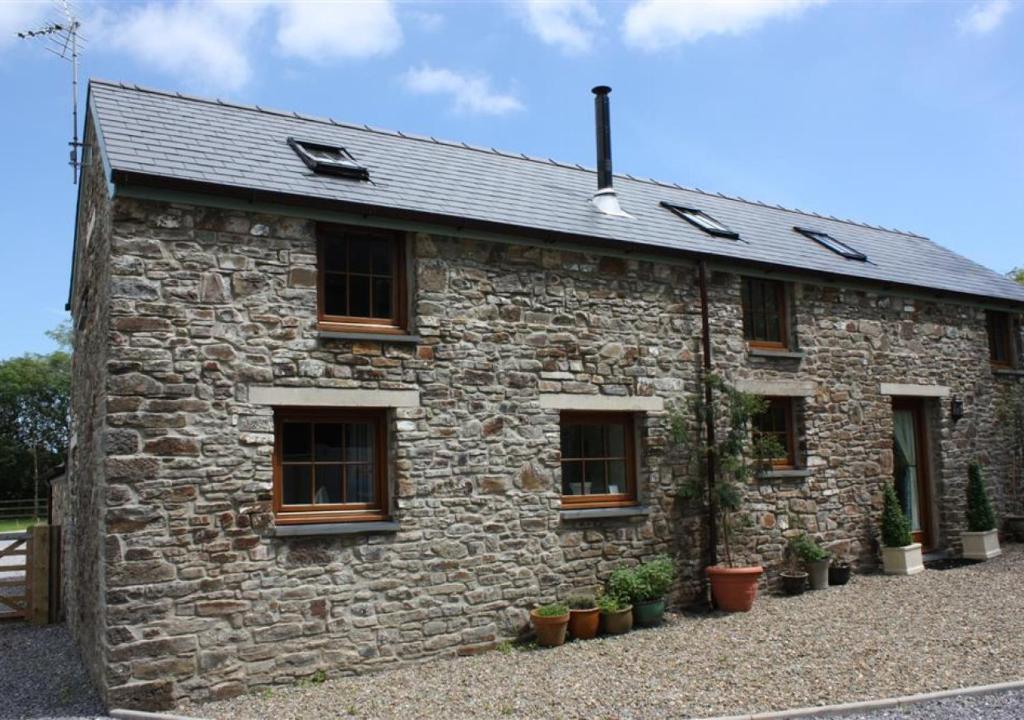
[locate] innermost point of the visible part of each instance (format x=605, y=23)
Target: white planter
x=981, y=545
x=904, y=560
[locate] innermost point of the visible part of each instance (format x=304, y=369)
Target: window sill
x=789, y=473
x=604, y=513
x=337, y=528
x=777, y=354
x=371, y=336
x=1008, y=371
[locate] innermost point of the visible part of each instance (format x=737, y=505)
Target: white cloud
x=202, y=42
x=323, y=31
x=568, y=24
x=984, y=17
x=18, y=16
x=657, y=24
x=472, y=94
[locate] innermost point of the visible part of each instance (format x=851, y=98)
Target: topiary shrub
x=895, y=525
x=980, y=517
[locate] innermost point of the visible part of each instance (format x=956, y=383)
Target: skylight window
x=701, y=219
x=329, y=159
x=839, y=248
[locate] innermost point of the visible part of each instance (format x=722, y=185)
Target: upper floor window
x=361, y=279
x=1002, y=345
x=775, y=430
x=598, y=459
x=764, y=312
x=329, y=465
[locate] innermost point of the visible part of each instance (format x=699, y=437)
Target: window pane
x=593, y=441
x=359, y=296
x=382, y=297
x=571, y=472
x=335, y=256
x=616, y=440
x=617, y=477
x=328, y=484
x=295, y=485
x=295, y=442
x=359, y=250
x=335, y=291
x=328, y=441
x=571, y=439
x=358, y=442
x=360, y=483
x=381, y=258
x=594, y=478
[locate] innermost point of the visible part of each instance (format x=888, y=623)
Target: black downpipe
x=709, y=423
x=604, y=136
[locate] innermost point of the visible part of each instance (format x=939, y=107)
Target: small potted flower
x=584, y=617
x=981, y=541
x=550, y=623
x=654, y=578
x=900, y=554
x=616, y=617
x=815, y=559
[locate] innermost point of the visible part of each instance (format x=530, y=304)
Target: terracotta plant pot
x=819, y=574
x=649, y=613
x=618, y=622
x=734, y=589
x=838, y=574
x=793, y=583
x=583, y=624
x=550, y=629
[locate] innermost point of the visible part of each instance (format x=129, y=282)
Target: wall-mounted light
x=956, y=408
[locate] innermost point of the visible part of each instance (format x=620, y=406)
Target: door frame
x=916, y=406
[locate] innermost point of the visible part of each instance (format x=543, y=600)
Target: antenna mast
x=63, y=41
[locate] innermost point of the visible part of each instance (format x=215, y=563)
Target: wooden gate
x=13, y=575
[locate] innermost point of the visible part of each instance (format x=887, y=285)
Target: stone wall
x=201, y=598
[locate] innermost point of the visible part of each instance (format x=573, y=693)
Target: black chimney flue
x=604, y=137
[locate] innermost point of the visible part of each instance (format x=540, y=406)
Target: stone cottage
x=345, y=398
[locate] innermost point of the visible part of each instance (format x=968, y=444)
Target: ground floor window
x=775, y=430
x=598, y=459
x=329, y=465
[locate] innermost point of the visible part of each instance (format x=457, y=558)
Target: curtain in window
x=905, y=447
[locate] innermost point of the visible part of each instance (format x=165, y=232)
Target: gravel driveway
x=877, y=637
x=41, y=675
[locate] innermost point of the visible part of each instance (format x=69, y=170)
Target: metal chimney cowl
x=605, y=198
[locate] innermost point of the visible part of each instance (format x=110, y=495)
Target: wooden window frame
x=608, y=500
x=350, y=512
x=397, y=324
x=781, y=300
x=790, y=461
x=1001, y=324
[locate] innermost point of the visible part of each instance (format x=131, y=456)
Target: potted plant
x=616, y=617
x=815, y=558
x=584, y=617
x=900, y=554
x=654, y=578
x=839, y=572
x=733, y=588
x=550, y=623
x=981, y=541
x=794, y=580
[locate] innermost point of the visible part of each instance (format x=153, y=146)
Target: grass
x=16, y=524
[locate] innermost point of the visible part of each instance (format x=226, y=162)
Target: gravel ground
x=1000, y=706
x=41, y=675
x=877, y=637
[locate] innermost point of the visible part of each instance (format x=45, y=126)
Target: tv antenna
x=63, y=40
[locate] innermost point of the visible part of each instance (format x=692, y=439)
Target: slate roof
x=175, y=137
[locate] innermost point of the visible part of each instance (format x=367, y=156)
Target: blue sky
x=902, y=114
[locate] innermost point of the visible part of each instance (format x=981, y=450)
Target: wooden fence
x=24, y=508
x=30, y=585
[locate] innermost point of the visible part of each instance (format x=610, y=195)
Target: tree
x=34, y=408
x=1017, y=275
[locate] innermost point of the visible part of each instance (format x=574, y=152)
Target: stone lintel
x=778, y=388
x=607, y=403
x=333, y=397
x=914, y=390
